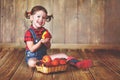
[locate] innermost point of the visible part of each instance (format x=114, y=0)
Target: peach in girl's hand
x=46, y=34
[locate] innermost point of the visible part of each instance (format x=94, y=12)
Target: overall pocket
x=30, y=54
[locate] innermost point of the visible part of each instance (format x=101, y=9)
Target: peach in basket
x=46, y=59
x=55, y=62
x=62, y=61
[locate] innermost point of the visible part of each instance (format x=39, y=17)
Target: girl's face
x=38, y=19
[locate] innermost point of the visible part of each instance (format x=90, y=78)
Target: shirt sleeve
x=28, y=36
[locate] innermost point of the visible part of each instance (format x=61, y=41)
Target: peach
x=46, y=59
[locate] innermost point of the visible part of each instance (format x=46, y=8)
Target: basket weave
x=52, y=69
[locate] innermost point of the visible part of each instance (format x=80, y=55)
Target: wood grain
x=59, y=21
x=71, y=26
x=75, y=21
x=105, y=65
x=10, y=65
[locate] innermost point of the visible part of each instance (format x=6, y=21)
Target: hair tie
x=49, y=17
x=28, y=12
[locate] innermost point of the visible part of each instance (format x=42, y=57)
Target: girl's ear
x=31, y=17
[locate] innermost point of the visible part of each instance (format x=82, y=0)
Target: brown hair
x=38, y=8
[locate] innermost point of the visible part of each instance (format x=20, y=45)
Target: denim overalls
x=39, y=53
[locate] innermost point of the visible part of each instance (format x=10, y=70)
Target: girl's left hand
x=46, y=40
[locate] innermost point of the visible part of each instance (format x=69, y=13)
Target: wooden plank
x=71, y=46
x=7, y=20
x=4, y=54
x=23, y=72
x=80, y=74
x=3, y=51
x=112, y=62
x=74, y=53
x=86, y=46
x=59, y=23
x=84, y=23
x=71, y=27
x=112, y=19
x=53, y=51
x=20, y=21
x=100, y=70
x=41, y=76
x=66, y=75
x=97, y=21
x=11, y=64
x=0, y=21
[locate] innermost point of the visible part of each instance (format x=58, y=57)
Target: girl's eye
x=38, y=16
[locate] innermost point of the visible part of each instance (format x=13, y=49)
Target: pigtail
x=49, y=17
x=27, y=14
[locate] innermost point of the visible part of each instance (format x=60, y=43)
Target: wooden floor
x=106, y=65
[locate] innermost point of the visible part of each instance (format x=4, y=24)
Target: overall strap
x=33, y=34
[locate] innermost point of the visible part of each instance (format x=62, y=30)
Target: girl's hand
x=46, y=40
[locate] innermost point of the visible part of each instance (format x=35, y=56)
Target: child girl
x=36, y=46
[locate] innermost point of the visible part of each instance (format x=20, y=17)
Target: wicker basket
x=51, y=69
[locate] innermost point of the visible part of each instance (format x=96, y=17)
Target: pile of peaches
x=48, y=62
